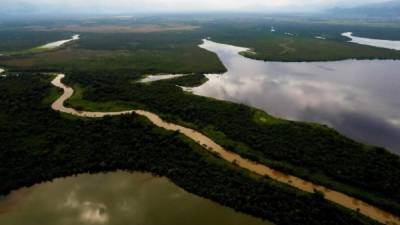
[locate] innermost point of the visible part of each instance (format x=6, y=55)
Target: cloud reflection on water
x=357, y=97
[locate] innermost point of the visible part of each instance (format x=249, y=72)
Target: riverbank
x=122, y=198
x=388, y=44
x=37, y=142
x=207, y=143
x=58, y=44
x=311, y=151
x=278, y=47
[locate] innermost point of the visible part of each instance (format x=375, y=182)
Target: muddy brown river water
x=208, y=144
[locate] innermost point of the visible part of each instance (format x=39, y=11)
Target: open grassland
x=80, y=103
x=148, y=28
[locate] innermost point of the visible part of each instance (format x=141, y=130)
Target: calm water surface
x=151, y=78
x=114, y=199
x=60, y=43
x=360, y=98
x=389, y=44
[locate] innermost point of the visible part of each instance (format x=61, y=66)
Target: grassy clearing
x=78, y=102
x=53, y=94
x=262, y=117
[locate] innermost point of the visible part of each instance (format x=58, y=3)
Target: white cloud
x=182, y=5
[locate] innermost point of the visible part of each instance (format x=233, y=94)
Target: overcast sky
x=123, y=6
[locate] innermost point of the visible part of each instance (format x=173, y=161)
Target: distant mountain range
x=12, y=8
x=389, y=9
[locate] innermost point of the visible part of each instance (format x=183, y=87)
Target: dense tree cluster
x=38, y=144
x=178, y=52
x=13, y=38
x=143, y=53
x=316, y=148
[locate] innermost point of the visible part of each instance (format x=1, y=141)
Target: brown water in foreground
x=116, y=198
x=331, y=195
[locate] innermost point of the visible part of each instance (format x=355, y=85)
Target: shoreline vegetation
x=294, y=49
x=101, y=72
x=302, y=46
x=57, y=44
x=85, y=101
x=388, y=44
x=307, y=150
x=152, y=53
x=37, y=149
x=48, y=47
x=236, y=159
x=144, y=192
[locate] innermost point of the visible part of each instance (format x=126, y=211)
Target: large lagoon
x=360, y=98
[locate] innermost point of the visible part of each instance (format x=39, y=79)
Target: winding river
x=210, y=145
x=290, y=90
